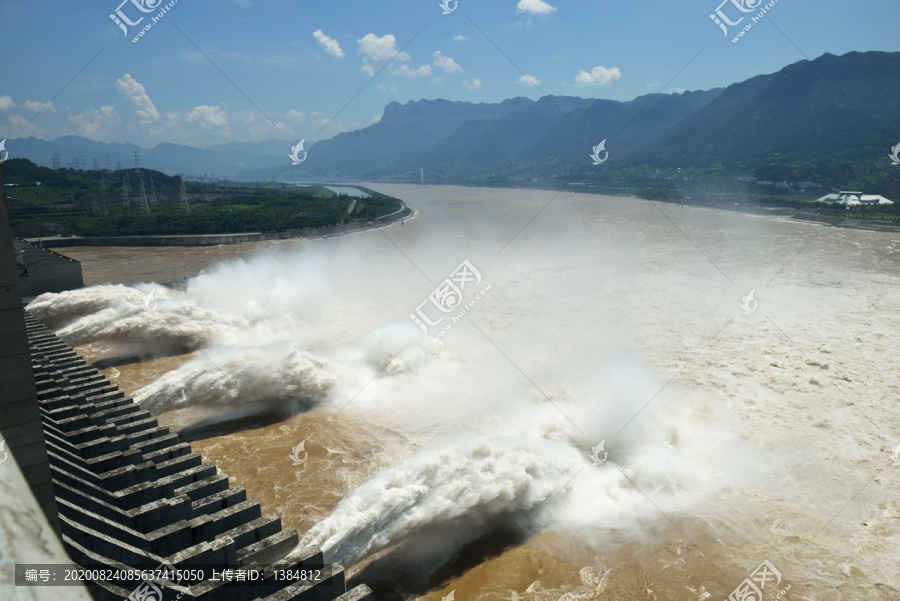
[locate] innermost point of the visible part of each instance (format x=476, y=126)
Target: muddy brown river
x=735, y=430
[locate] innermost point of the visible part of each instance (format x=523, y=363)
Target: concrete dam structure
x=123, y=494
x=41, y=270
x=130, y=494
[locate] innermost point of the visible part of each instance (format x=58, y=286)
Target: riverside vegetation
x=47, y=202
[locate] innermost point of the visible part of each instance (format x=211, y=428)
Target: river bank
x=226, y=239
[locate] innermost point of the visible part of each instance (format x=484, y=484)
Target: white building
x=849, y=198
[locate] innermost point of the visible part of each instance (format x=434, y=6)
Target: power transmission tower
x=118, y=165
x=95, y=164
x=153, y=200
x=107, y=161
x=81, y=162
x=103, y=205
x=184, y=201
x=55, y=161
x=227, y=207
x=144, y=206
x=126, y=191
x=137, y=159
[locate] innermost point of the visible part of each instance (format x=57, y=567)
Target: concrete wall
x=132, y=495
x=51, y=276
x=27, y=538
x=20, y=417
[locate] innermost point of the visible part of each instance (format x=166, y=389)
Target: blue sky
x=214, y=72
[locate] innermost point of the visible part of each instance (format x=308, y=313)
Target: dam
x=121, y=493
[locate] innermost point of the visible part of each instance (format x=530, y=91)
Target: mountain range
x=834, y=112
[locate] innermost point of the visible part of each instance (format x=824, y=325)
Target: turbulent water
x=150, y=318
x=595, y=388
x=243, y=378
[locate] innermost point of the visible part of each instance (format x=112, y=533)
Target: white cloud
x=296, y=116
x=368, y=70
x=6, y=103
x=529, y=80
x=535, y=7
x=460, y=37
x=94, y=124
x=377, y=118
x=329, y=45
x=599, y=76
x=405, y=71
x=473, y=85
x=191, y=56
x=19, y=126
x=39, y=106
x=384, y=87
x=209, y=117
x=652, y=85
x=260, y=129
x=446, y=63
x=134, y=91
x=374, y=48
x=680, y=90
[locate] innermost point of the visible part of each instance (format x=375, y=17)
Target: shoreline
x=405, y=212
x=872, y=225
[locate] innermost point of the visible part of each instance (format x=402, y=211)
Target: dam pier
x=93, y=480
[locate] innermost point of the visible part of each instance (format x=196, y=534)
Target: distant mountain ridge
x=808, y=121
x=223, y=160
x=831, y=108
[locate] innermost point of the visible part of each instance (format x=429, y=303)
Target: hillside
x=47, y=202
x=809, y=127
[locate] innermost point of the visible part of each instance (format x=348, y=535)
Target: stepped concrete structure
x=131, y=494
x=123, y=491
